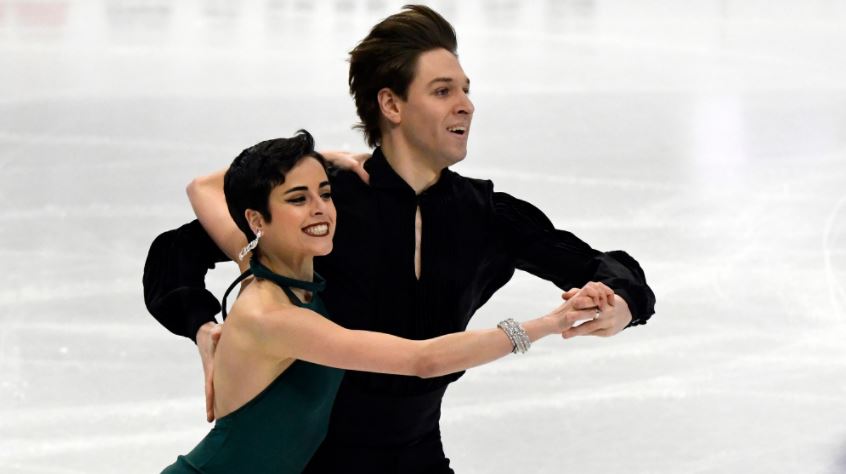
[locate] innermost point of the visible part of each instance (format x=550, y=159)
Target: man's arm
x=174, y=279
x=568, y=262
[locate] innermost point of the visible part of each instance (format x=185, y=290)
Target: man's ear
x=391, y=105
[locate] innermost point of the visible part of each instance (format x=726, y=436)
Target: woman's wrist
x=541, y=327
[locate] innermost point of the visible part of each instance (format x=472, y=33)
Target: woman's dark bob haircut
x=260, y=168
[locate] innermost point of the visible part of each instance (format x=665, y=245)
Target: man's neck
x=416, y=171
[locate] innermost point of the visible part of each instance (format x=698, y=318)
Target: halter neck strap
x=260, y=271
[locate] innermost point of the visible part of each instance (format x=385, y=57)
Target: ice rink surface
x=706, y=138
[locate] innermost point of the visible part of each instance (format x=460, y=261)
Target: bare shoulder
x=262, y=306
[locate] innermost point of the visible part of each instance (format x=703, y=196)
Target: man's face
x=435, y=118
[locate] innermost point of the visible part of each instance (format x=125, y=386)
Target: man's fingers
x=588, y=294
x=207, y=339
x=573, y=317
x=582, y=302
x=595, y=327
x=582, y=329
x=600, y=293
x=210, y=395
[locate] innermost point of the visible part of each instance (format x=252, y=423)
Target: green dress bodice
x=280, y=428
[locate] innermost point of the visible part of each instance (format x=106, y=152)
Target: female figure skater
x=278, y=361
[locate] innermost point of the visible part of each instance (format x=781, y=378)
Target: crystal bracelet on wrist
x=516, y=334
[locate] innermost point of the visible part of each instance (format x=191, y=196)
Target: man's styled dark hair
x=387, y=57
x=260, y=168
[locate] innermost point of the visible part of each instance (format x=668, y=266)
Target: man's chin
x=455, y=157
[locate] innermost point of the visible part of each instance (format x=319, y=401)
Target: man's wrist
x=205, y=328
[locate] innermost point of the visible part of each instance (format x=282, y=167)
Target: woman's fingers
x=570, y=293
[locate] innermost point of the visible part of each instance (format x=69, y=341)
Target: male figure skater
x=419, y=249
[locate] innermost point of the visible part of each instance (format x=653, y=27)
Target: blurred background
x=707, y=138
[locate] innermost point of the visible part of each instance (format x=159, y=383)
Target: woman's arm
x=209, y=204
x=302, y=334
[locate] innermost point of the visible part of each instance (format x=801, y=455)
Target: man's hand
x=608, y=322
x=349, y=161
x=207, y=337
x=581, y=304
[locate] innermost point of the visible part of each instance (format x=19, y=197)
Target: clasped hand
x=600, y=311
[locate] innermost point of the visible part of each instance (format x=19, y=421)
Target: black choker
x=260, y=271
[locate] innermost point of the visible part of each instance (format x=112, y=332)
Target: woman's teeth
x=317, y=230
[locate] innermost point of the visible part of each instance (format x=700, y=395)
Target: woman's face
x=302, y=214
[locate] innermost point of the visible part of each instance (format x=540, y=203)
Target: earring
x=250, y=246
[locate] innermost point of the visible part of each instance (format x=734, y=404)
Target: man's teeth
x=459, y=130
x=317, y=230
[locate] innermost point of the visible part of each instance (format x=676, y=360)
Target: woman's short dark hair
x=260, y=168
x=387, y=57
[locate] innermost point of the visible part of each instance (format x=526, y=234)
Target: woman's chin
x=322, y=250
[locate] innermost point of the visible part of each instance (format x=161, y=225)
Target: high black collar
x=384, y=177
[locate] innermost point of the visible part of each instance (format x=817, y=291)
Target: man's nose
x=465, y=105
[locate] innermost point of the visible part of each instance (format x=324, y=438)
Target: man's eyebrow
x=448, y=79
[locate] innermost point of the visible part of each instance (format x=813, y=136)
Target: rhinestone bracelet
x=516, y=334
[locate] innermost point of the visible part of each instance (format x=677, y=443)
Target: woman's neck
x=297, y=268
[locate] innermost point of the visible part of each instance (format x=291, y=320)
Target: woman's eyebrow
x=305, y=188
x=298, y=188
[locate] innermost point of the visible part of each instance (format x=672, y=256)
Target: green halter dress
x=280, y=429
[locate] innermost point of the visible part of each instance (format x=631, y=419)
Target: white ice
x=708, y=139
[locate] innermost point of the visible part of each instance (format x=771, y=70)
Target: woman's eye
x=326, y=196
x=297, y=200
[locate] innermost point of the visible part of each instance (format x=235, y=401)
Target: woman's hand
x=349, y=161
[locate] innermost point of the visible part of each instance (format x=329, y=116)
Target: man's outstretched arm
x=568, y=262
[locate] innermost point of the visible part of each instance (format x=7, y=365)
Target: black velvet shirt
x=473, y=239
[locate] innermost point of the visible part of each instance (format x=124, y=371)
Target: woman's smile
x=320, y=229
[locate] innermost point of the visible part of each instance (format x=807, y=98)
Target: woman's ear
x=254, y=219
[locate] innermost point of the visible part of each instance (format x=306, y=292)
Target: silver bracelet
x=516, y=334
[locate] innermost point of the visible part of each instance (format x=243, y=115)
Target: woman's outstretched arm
x=302, y=334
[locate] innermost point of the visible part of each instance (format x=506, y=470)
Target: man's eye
x=442, y=91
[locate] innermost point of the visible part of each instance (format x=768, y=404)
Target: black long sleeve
x=174, y=279
x=567, y=261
